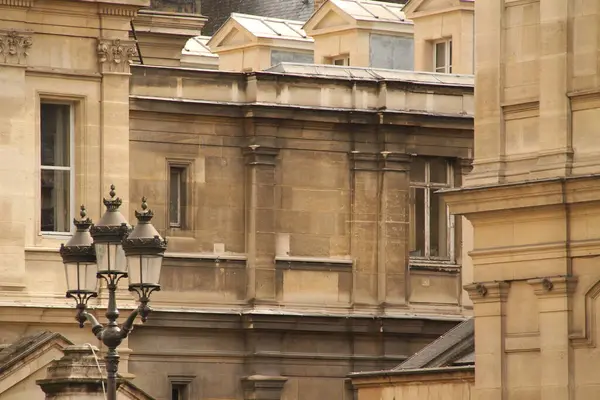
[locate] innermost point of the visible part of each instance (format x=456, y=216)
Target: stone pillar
x=490, y=325
x=555, y=151
x=259, y=387
x=555, y=307
x=75, y=376
x=260, y=222
x=18, y=178
x=392, y=257
x=364, y=226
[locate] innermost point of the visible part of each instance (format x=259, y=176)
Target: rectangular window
x=179, y=391
x=339, y=60
x=430, y=222
x=442, y=56
x=56, y=167
x=177, y=196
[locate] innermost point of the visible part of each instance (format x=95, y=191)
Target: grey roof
x=335, y=71
x=218, y=11
x=197, y=46
x=17, y=351
x=455, y=347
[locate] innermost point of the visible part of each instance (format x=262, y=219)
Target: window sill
x=207, y=256
x=434, y=266
x=314, y=260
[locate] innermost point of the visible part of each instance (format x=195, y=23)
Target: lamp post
x=105, y=251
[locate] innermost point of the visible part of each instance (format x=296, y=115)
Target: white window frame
x=450, y=219
x=447, y=68
x=70, y=168
x=345, y=59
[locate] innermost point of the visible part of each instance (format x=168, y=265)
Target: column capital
x=115, y=55
x=255, y=154
x=466, y=165
x=380, y=161
x=14, y=46
x=487, y=292
x=259, y=387
x=553, y=286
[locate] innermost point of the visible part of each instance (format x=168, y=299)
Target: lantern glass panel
x=81, y=277
x=111, y=257
x=144, y=269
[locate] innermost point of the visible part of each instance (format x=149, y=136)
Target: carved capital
x=466, y=165
x=260, y=155
x=14, y=47
x=381, y=161
x=482, y=292
x=116, y=55
x=553, y=286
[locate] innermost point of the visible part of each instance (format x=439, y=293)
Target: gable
x=432, y=6
x=328, y=17
x=330, y=20
x=235, y=37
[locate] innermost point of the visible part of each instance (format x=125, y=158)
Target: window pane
x=450, y=56
x=175, y=197
x=438, y=170
x=417, y=170
x=55, y=125
x=56, y=201
x=417, y=222
x=440, y=55
x=438, y=226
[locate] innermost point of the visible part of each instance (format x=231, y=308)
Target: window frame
x=447, y=42
x=430, y=187
x=345, y=58
x=182, y=381
x=186, y=195
x=71, y=168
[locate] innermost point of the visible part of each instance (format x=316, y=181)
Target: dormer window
x=442, y=56
x=343, y=60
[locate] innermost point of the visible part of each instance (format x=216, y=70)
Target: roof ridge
x=262, y=18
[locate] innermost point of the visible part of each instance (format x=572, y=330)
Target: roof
x=197, y=46
x=275, y=28
x=19, y=350
x=454, y=348
x=335, y=71
x=367, y=10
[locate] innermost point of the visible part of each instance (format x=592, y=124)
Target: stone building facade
x=306, y=240
x=533, y=199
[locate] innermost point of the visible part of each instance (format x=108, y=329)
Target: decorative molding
x=16, y=3
x=117, y=11
x=116, y=55
x=14, y=47
x=259, y=387
x=487, y=292
x=553, y=286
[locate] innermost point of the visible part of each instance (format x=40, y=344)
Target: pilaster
x=555, y=143
x=260, y=222
x=392, y=257
x=16, y=171
x=555, y=306
x=489, y=307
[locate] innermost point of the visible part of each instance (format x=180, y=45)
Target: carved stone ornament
x=115, y=55
x=14, y=47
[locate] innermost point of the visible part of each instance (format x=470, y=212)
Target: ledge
x=207, y=256
x=314, y=260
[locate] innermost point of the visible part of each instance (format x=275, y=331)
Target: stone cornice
x=118, y=10
x=538, y=193
x=260, y=155
x=17, y=3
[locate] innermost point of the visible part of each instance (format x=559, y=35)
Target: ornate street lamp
x=104, y=250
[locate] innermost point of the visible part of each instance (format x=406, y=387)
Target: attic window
x=339, y=60
x=442, y=56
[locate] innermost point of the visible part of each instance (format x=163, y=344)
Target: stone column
x=74, y=377
x=392, y=257
x=490, y=326
x=259, y=387
x=555, y=151
x=364, y=226
x=260, y=222
x=555, y=307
